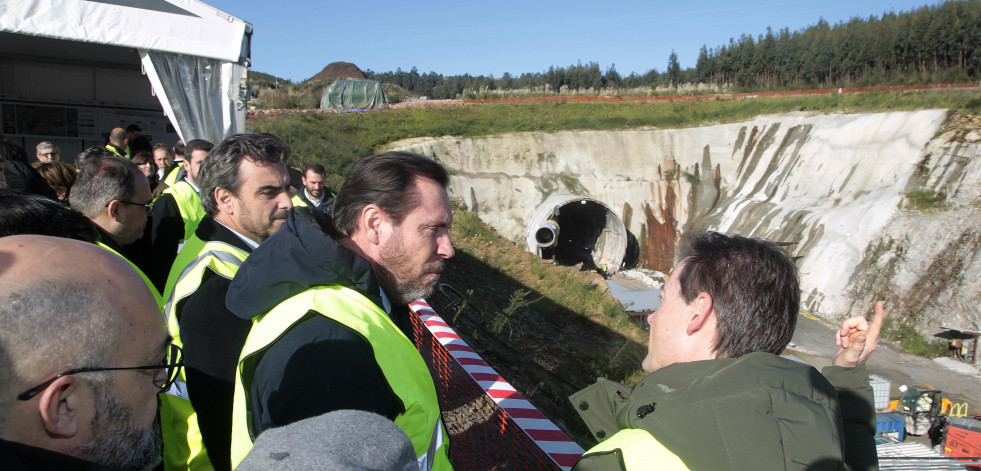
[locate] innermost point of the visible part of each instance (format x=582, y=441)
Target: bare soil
x=338, y=70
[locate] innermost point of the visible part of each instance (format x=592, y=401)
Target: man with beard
x=83, y=355
x=245, y=192
x=314, y=193
x=329, y=304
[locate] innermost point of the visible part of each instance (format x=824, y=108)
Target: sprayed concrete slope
x=832, y=184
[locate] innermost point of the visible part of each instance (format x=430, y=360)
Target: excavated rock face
x=927, y=260
x=833, y=185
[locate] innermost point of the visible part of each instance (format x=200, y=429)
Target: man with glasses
x=115, y=195
x=47, y=152
x=84, y=353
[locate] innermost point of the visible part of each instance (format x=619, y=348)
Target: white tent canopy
x=194, y=55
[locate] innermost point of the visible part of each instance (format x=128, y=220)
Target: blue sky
x=295, y=39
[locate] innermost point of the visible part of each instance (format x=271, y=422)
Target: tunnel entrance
x=574, y=230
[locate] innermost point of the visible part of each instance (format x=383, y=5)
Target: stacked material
x=914, y=456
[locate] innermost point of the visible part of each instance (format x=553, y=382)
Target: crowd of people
x=186, y=307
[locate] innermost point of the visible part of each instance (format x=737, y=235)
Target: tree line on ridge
x=932, y=44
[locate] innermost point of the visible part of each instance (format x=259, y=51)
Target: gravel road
x=813, y=342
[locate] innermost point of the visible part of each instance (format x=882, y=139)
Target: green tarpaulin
x=349, y=94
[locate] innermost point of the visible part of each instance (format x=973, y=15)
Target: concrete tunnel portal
x=573, y=230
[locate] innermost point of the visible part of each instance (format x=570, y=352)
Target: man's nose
x=445, y=246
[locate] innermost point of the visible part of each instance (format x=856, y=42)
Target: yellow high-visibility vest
x=630, y=449
x=189, y=204
x=396, y=355
x=182, y=441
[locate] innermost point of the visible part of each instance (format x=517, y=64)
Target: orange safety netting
x=482, y=437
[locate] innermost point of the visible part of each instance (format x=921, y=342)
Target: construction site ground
x=813, y=342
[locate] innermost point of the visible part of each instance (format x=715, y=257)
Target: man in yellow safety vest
x=115, y=196
x=176, y=213
x=244, y=191
x=328, y=299
x=314, y=194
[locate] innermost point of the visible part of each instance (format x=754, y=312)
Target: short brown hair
x=385, y=180
x=754, y=287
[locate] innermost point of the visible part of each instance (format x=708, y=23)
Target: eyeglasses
x=148, y=206
x=172, y=367
x=48, y=154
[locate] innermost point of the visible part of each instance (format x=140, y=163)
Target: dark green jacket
x=758, y=411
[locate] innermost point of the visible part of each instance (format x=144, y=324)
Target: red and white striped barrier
x=554, y=442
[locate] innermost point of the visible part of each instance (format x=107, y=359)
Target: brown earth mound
x=338, y=70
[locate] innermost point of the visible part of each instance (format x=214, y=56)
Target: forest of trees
x=936, y=43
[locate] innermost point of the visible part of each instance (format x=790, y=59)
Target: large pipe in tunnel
x=548, y=234
x=591, y=233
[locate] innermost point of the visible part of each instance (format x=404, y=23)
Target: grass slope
x=548, y=330
x=337, y=140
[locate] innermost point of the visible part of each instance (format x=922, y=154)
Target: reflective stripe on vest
x=188, y=270
x=115, y=151
x=153, y=289
x=297, y=201
x=189, y=204
x=638, y=450
x=396, y=355
x=183, y=443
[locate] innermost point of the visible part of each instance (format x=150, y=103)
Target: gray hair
x=101, y=180
x=47, y=145
x=52, y=325
x=221, y=167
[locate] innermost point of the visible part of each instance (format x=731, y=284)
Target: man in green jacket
x=719, y=396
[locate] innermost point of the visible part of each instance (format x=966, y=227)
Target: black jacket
x=212, y=338
x=319, y=365
x=107, y=239
x=20, y=457
x=22, y=177
x=166, y=232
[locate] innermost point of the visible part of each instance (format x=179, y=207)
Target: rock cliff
x=834, y=185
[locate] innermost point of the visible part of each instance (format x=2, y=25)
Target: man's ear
x=113, y=210
x=371, y=221
x=59, y=406
x=223, y=198
x=703, y=310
